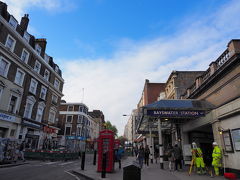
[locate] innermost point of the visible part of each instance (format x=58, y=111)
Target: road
x=39, y=170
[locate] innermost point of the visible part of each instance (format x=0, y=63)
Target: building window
x=46, y=74
x=38, y=49
x=68, y=131
x=54, y=99
x=13, y=104
x=37, y=66
x=56, y=68
x=80, y=108
x=70, y=108
x=10, y=43
x=52, y=115
x=33, y=86
x=25, y=56
x=26, y=36
x=39, y=113
x=43, y=93
x=19, y=77
x=28, y=107
x=56, y=84
x=69, y=119
x=78, y=131
x=12, y=132
x=4, y=66
x=13, y=22
x=80, y=119
x=46, y=58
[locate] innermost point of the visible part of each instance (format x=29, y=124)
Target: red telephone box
x=106, y=145
x=116, y=143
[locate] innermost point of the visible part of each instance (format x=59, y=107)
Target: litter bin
x=132, y=172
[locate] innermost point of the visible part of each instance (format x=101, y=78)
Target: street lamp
x=132, y=130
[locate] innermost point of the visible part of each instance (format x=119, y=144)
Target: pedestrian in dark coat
x=146, y=155
x=177, y=156
x=140, y=156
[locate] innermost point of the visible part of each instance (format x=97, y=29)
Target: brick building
x=219, y=85
x=77, y=126
x=30, y=84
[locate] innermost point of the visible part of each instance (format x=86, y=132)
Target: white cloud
x=114, y=85
x=19, y=7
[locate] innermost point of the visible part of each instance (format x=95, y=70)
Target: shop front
x=166, y=118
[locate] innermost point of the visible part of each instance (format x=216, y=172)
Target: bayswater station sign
x=175, y=113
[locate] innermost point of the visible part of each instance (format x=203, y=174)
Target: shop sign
x=76, y=137
x=175, y=113
x=31, y=124
x=48, y=130
x=7, y=117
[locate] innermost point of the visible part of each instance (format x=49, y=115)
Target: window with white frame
x=70, y=108
x=13, y=104
x=26, y=36
x=67, y=130
x=10, y=43
x=56, y=83
x=29, y=106
x=33, y=86
x=52, y=115
x=54, y=99
x=56, y=68
x=80, y=119
x=43, y=93
x=78, y=131
x=25, y=55
x=40, y=110
x=46, y=74
x=37, y=66
x=19, y=77
x=69, y=118
x=38, y=49
x=4, y=66
x=13, y=22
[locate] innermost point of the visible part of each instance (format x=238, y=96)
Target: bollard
x=83, y=161
x=104, y=164
x=94, y=157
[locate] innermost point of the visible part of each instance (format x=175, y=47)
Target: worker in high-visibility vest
x=217, y=157
x=198, y=159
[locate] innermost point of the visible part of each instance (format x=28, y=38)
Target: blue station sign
x=175, y=113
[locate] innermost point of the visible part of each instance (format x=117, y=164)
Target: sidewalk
x=13, y=164
x=147, y=173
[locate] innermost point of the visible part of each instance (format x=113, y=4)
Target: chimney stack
x=3, y=9
x=24, y=22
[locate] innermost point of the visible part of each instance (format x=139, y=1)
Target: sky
x=109, y=47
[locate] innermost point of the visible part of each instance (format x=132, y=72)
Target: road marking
x=72, y=175
x=65, y=163
x=49, y=163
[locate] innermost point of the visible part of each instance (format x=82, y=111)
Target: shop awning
x=177, y=110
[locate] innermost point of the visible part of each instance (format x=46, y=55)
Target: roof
x=180, y=104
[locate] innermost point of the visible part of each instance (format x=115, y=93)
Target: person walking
x=177, y=157
x=170, y=154
x=217, y=157
x=21, y=149
x=197, y=157
x=140, y=156
x=146, y=155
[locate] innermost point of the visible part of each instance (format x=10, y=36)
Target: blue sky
x=109, y=47
x=93, y=28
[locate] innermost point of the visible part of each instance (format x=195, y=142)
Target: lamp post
x=131, y=130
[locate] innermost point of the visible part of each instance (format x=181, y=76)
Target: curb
x=12, y=165
x=82, y=175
